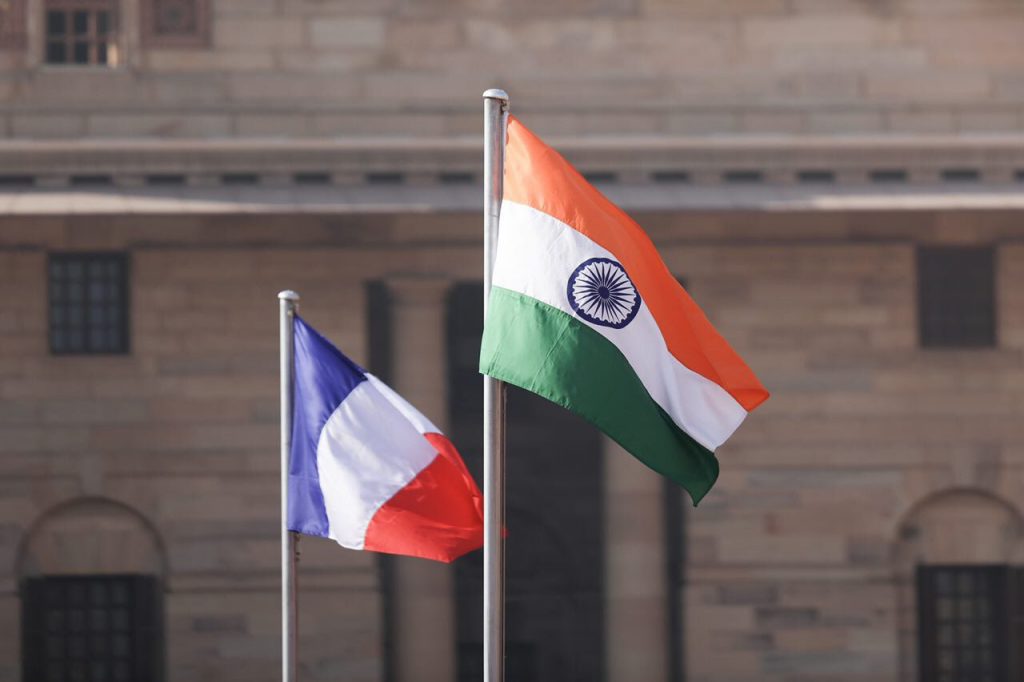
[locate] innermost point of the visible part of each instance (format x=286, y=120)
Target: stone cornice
x=771, y=155
x=443, y=174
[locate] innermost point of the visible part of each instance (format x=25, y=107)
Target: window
x=88, y=303
x=105, y=628
x=81, y=32
x=964, y=624
x=956, y=297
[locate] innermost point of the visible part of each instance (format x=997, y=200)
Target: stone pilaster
x=636, y=590
x=424, y=616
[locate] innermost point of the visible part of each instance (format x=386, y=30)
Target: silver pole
x=289, y=301
x=495, y=124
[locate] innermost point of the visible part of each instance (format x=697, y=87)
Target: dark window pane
x=81, y=53
x=56, y=53
x=956, y=297
x=964, y=637
x=120, y=620
x=82, y=645
x=98, y=619
x=101, y=54
x=121, y=648
x=103, y=26
x=80, y=23
x=56, y=24
x=76, y=620
x=88, y=303
x=55, y=620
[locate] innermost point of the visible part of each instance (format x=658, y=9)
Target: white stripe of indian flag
x=536, y=256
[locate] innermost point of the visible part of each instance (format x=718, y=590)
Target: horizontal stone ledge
x=353, y=200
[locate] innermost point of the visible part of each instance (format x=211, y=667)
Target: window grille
x=956, y=297
x=81, y=32
x=89, y=303
x=92, y=628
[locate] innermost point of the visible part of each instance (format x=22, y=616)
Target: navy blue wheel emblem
x=601, y=292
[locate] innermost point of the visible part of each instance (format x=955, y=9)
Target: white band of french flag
x=367, y=469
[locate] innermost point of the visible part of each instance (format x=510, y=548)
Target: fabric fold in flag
x=367, y=469
x=584, y=312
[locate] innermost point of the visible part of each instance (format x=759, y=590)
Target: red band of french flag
x=367, y=469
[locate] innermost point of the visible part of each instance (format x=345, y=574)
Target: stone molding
x=776, y=160
x=175, y=23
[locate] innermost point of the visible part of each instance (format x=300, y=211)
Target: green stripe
x=532, y=345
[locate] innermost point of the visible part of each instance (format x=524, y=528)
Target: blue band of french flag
x=367, y=469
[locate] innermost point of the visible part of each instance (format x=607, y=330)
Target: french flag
x=367, y=469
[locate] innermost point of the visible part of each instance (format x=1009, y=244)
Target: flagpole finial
x=288, y=295
x=498, y=94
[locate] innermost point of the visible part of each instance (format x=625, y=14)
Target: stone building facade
x=837, y=182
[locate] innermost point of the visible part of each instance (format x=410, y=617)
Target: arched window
x=92, y=598
x=961, y=589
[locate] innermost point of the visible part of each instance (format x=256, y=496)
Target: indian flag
x=583, y=312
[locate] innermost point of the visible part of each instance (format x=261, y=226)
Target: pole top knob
x=288, y=295
x=496, y=93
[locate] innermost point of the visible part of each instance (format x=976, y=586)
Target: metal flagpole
x=289, y=541
x=495, y=124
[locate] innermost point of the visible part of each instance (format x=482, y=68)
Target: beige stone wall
x=414, y=67
x=796, y=564
x=794, y=571
x=184, y=431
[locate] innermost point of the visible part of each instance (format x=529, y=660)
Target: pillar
x=424, y=601
x=636, y=583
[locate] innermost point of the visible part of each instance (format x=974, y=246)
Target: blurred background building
x=837, y=182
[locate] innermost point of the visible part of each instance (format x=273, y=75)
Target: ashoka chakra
x=601, y=292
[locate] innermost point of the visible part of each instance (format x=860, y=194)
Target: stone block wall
x=299, y=68
x=184, y=431
x=796, y=564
